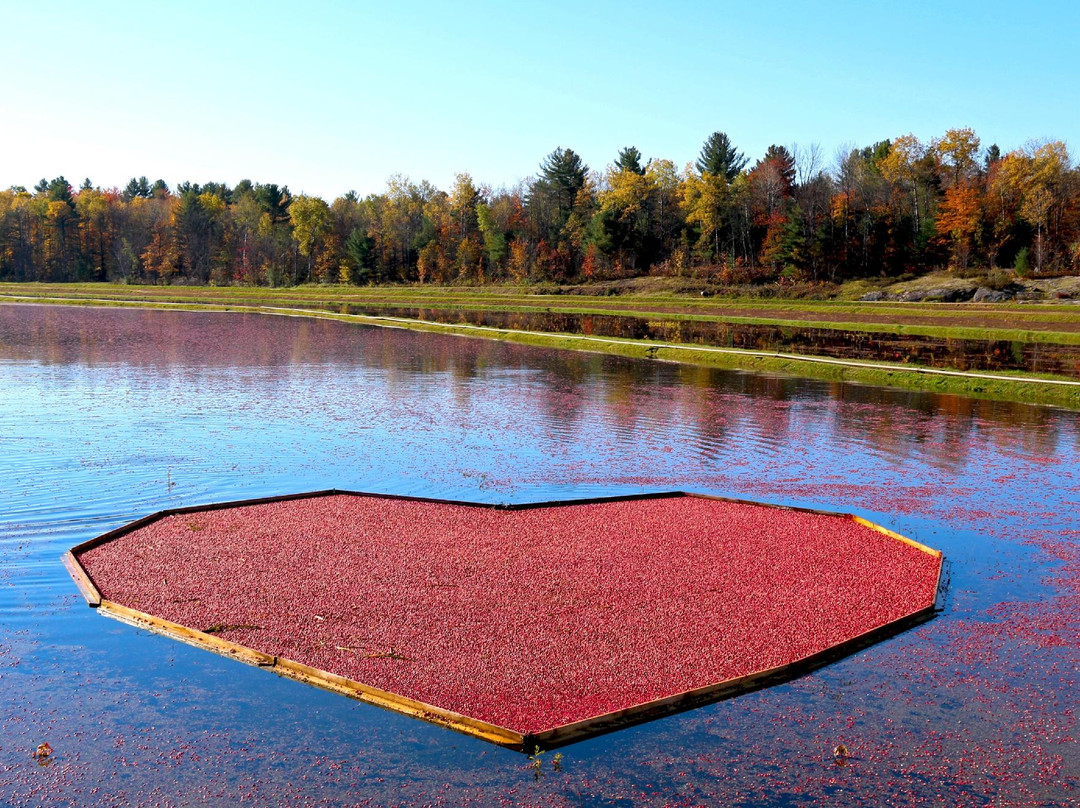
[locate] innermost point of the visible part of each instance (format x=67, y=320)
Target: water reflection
x=108, y=414
x=127, y=337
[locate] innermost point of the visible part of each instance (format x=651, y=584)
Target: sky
x=327, y=97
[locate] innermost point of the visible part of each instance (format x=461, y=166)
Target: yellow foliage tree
x=957, y=151
x=706, y=201
x=900, y=167
x=310, y=218
x=1038, y=175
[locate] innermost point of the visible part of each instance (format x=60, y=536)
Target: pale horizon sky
x=328, y=97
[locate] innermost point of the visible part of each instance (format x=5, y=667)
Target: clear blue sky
x=330, y=96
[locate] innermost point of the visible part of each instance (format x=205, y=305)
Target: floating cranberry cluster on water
x=528, y=619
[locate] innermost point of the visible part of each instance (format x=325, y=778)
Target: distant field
x=1058, y=322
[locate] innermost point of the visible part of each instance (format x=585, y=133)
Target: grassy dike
x=1017, y=387
x=1012, y=322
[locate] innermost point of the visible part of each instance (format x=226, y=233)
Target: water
x=107, y=415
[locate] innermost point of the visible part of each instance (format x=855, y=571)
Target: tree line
x=896, y=206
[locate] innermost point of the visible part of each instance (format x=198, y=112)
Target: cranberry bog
x=107, y=415
x=525, y=625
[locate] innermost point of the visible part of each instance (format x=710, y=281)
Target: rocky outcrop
x=941, y=294
x=986, y=295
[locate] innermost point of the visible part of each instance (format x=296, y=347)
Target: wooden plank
x=314, y=676
x=937, y=585
x=116, y=533
x=680, y=702
x=213, y=506
x=502, y=736
x=82, y=580
x=518, y=506
x=400, y=704
x=191, y=636
x=897, y=536
x=244, y=503
x=797, y=508
x=563, y=503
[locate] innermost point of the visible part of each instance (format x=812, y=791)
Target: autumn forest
x=896, y=206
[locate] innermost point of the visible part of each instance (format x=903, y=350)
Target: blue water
x=107, y=415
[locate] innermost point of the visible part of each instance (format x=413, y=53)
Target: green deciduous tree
x=495, y=243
